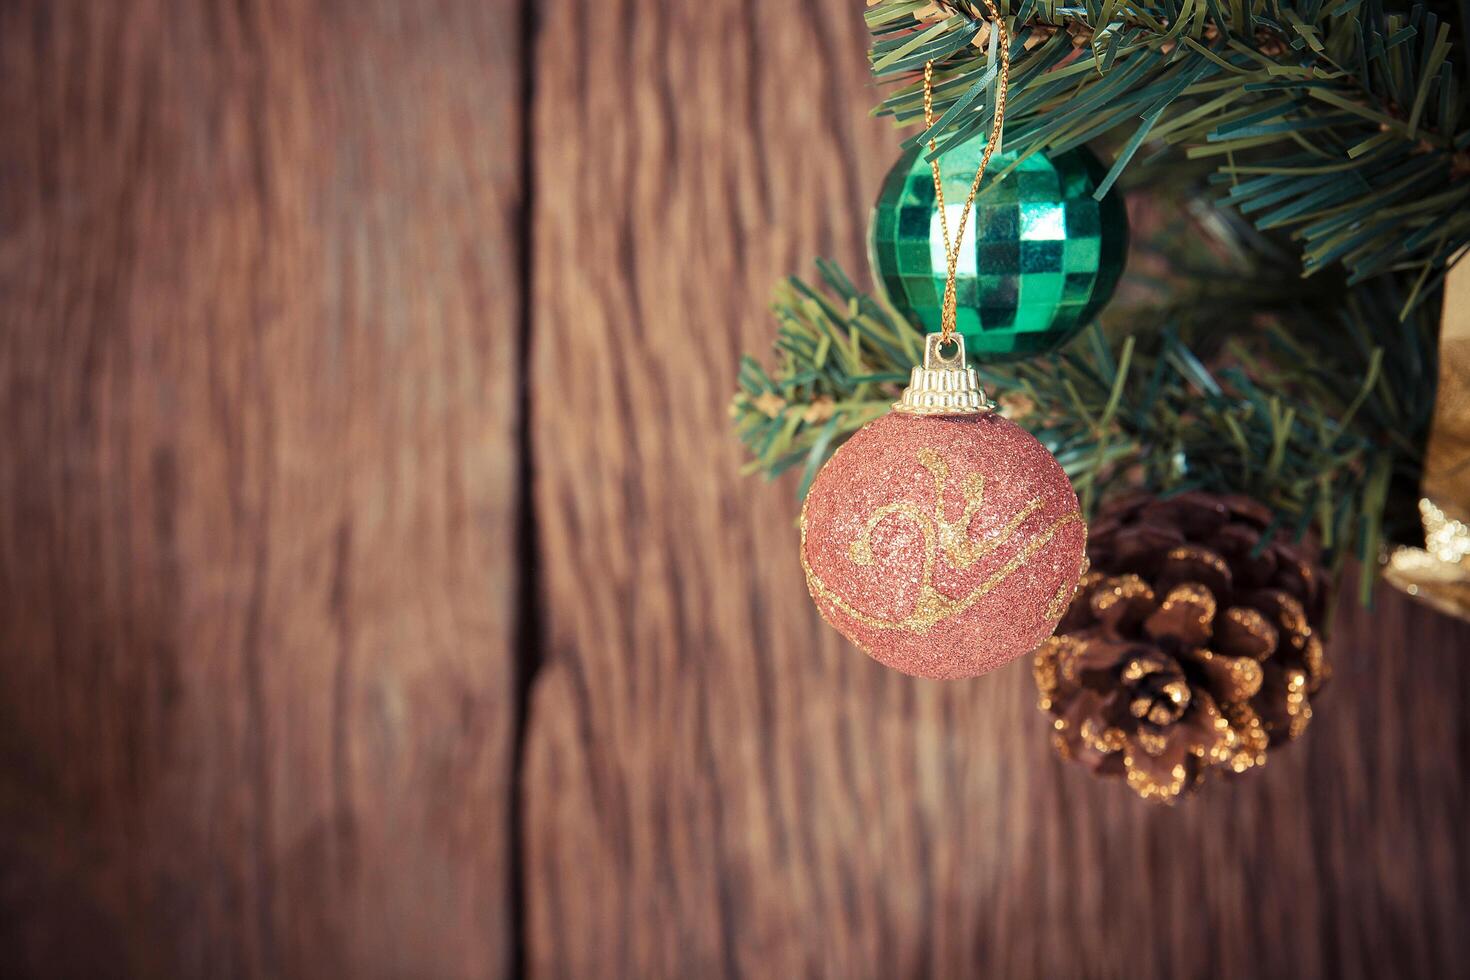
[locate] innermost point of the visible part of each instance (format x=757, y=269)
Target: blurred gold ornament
x=1439, y=573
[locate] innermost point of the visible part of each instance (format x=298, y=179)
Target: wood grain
x=715, y=785
x=258, y=463
x=261, y=475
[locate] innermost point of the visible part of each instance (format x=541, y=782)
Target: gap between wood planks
x=528, y=629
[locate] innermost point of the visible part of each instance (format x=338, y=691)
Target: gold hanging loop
x=952, y=248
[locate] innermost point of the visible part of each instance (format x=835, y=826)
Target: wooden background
x=378, y=596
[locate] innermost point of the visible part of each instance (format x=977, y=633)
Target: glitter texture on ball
x=943, y=547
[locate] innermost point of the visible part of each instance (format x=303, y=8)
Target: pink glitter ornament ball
x=943, y=546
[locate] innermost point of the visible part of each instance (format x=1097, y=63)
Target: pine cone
x=1191, y=643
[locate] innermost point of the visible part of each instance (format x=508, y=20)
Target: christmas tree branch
x=1325, y=433
x=1333, y=120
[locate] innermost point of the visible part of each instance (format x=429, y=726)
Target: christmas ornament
x=942, y=538
x=1439, y=573
x=1038, y=261
x=1191, y=644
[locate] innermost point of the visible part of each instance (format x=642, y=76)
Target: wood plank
x=716, y=785
x=258, y=458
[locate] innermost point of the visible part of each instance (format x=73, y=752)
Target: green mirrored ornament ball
x=1038, y=259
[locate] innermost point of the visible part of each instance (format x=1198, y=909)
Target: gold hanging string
x=952, y=250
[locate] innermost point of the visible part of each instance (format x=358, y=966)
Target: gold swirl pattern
x=941, y=536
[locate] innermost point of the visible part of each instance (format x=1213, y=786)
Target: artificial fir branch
x=1331, y=127
x=1335, y=120
x=1301, y=407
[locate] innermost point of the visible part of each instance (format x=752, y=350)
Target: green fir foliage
x=1334, y=120
x=1269, y=141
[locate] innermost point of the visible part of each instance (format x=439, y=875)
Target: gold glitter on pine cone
x=1190, y=645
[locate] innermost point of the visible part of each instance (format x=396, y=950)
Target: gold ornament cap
x=944, y=384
